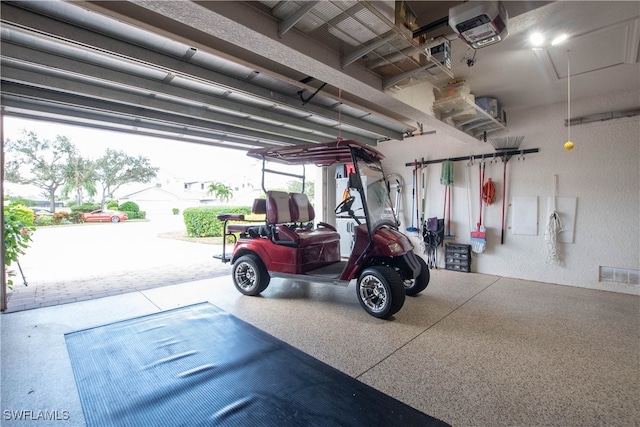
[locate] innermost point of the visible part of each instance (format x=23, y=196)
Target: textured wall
x=602, y=171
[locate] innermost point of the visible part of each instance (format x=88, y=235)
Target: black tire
x=380, y=291
x=249, y=274
x=115, y=219
x=413, y=287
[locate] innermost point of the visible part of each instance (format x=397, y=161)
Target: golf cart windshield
x=376, y=194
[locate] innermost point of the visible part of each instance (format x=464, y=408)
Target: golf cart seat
x=279, y=220
x=302, y=212
x=285, y=213
x=259, y=208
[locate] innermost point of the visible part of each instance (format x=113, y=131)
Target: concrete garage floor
x=472, y=350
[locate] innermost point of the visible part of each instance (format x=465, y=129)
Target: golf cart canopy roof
x=324, y=154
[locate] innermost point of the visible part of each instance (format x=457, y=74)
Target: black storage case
x=457, y=257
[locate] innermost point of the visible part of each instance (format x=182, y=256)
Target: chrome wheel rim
x=373, y=294
x=245, y=276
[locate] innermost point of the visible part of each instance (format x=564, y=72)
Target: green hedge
x=136, y=215
x=129, y=207
x=85, y=207
x=202, y=221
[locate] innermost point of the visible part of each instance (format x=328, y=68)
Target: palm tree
x=220, y=191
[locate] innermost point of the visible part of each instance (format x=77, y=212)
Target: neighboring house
x=168, y=192
x=155, y=200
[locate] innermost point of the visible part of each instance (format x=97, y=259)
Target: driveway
x=78, y=262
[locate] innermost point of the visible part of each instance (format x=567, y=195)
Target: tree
x=80, y=177
x=220, y=191
x=296, y=187
x=116, y=168
x=42, y=163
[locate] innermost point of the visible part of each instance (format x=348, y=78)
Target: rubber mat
x=198, y=365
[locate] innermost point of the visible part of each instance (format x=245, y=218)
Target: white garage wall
x=602, y=172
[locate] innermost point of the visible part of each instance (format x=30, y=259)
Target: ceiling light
x=536, y=39
x=559, y=39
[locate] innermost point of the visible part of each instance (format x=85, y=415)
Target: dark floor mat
x=199, y=365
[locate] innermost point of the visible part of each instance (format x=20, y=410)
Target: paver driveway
x=73, y=263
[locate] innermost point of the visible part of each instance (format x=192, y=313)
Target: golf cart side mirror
x=354, y=181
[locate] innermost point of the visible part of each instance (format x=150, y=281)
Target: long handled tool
x=423, y=196
x=446, y=179
x=479, y=237
x=504, y=192
x=412, y=228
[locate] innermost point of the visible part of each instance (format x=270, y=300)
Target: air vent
x=627, y=276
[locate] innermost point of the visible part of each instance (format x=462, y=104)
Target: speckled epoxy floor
x=471, y=350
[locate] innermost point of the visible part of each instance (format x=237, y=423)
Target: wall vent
x=628, y=276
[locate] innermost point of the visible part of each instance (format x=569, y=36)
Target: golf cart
x=288, y=245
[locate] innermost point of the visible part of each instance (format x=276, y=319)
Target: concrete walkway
x=76, y=263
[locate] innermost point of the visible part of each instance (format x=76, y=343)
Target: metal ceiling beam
x=392, y=81
x=128, y=48
x=291, y=20
x=353, y=57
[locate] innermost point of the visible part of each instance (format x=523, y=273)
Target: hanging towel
x=446, y=176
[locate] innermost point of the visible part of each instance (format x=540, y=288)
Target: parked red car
x=103, y=215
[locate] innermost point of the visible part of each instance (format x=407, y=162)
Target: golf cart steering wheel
x=345, y=205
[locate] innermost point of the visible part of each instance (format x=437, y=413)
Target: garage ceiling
x=250, y=74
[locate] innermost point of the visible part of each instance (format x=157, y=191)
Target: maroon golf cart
x=289, y=245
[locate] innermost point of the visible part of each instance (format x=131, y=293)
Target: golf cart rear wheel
x=413, y=287
x=250, y=276
x=380, y=291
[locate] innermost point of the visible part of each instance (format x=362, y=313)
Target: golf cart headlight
x=395, y=248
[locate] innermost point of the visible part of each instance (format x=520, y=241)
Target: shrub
x=112, y=205
x=141, y=215
x=85, y=207
x=44, y=220
x=175, y=211
x=129, y=207
x=76, y=217
x=202, y=221
x=18, y=225
x=60, y=218
x=22, y=214
x=131, y=214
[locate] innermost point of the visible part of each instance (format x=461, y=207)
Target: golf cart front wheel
x=413, y=287
x=380, y=291
x=250, y=276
